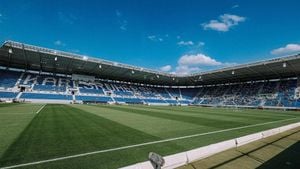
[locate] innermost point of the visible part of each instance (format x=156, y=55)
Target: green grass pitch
x=66, y=130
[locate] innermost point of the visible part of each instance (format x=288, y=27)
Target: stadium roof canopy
x=29, y=57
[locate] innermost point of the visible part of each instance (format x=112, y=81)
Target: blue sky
x=177, y=36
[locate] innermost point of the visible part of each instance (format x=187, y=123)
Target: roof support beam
x=272, y=71
x=70, y=63
x=95, y=69
x=10, y=53
x=41, y=62
x=292, y=67
x=254, y=71
x=9, y=59
x=25, y=57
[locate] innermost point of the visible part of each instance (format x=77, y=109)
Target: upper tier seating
x=46, y=83
x=8, y=79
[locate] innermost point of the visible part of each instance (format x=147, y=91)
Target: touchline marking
x=141, y=144
x=40, y=109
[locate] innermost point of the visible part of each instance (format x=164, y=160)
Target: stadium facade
x=36, y=74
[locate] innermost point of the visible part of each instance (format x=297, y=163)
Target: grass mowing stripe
x=234, y=116
x=227, y=112
x=216, y=123
x=142, y=144
x=160, y=127
x=248, y=111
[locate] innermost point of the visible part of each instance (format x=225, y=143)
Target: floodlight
x=233, y=72
x=284, y=64
x=157, y=76
x=132, y=72
x=55, y=58
x=85, y=58
x=10, y=51
x=156, y=160
x=100, y=66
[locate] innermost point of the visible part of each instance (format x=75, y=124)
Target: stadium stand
x=275, y=93
x=43, y=78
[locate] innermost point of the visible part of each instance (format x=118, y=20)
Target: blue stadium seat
x=45, y=96
x=8, y=78
x=128, y=100
x=8, y=95
x=94, y=98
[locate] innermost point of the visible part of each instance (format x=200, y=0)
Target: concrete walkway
x=280, y=151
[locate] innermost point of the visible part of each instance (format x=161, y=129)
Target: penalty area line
x=142, y=144
x=40, y=109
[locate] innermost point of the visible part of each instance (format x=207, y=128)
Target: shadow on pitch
x=287, y=159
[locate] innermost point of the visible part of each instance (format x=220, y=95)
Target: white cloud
x=152, y=37
x=155, y=38
x=185, y=70
x=235, y=6
x=198, y=59
x=121, y=21
x=185, y=43
x=188, y=64
x=191, y=63
x=59, y=43
x=123, y=25
x=288, y=49
x=166, y=68
x=201, y=44
x=224, y=23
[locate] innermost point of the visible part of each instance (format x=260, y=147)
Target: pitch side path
x=104, y=136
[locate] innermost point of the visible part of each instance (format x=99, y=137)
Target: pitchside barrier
x=183, y=158
x=251, y=107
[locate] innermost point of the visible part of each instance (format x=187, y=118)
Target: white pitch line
x=141, y=144
x=40, y=109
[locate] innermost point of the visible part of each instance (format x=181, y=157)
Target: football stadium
x=87, y=112
x=61, y=109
